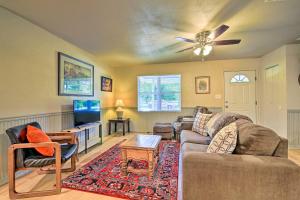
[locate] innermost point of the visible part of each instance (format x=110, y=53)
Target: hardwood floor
x=294, y=155
x=35, y=182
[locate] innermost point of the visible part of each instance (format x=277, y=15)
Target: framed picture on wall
x=75, y=77
x=106, y=84
x=202, y=85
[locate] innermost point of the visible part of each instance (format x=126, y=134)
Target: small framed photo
x=75, y=77
x=106, y=84
x=202, y=85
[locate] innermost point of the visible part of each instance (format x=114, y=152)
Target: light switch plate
x=218, y=96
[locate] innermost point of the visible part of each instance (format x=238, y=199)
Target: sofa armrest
x=180, y=118
x=232, y=177
x=186, y=125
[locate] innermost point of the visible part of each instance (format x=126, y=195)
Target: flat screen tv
x=86, y=111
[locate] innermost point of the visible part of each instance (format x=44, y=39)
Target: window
x=159, y=93
x=239, y=78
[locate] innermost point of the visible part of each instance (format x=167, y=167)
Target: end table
x=117, y=121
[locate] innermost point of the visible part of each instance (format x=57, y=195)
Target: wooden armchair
x=22, y=156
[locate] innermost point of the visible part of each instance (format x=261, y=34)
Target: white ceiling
x=127, y=32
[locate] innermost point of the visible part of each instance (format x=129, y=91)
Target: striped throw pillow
x=200, y=123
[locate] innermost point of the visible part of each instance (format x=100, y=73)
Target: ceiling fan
x=205, y=40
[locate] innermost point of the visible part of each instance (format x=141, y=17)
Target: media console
x=88, y=135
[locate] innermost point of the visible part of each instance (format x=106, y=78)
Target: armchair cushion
x=35, y=160
x=36, y=135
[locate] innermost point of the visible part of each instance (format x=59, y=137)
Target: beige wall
x=28, y=69
x=126, y=86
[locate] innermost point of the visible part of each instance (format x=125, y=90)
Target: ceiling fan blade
x=225, y=42
x=219, y=31
x=185, y=39
x=184, y=49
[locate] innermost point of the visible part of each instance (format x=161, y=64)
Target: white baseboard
x=294, y=146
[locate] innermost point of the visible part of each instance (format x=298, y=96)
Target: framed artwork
x=106, y=84
x=202, y=85
x=75, y=77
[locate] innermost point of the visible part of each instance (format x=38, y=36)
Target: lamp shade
x=119, y=103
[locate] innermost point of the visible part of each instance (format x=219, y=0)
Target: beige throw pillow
x=225, y=140
x=211, y=122
x=200, y=123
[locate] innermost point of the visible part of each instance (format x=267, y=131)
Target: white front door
x=240, y=93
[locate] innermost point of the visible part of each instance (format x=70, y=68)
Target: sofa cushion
x=223, y=120
x=200, y=122
x=189, y=147
x=224, y=141
x=254, y=139
x=193, y=137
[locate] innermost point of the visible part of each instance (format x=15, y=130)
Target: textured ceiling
x=128, y=32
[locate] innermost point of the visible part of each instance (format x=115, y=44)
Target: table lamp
x=119, y=110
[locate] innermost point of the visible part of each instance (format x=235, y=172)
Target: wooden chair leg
x=12, y=181
x=11, y=173
x=58, y=168
x=73, y=162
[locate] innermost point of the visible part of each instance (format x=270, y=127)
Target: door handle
x=226, y=106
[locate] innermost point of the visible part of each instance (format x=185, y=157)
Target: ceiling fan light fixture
x=205, y=40
x=197, y=51
x=207, y=49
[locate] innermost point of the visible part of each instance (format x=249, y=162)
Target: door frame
x=255, y=92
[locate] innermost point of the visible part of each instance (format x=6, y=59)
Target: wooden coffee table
x=140, y=147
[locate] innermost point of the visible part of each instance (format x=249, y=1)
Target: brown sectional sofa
x=257, y=170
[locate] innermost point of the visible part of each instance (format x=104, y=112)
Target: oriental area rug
x=103, y=176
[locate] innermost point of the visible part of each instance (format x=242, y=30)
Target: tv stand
x=88, y=135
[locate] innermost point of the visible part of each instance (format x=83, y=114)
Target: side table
x=117, y=121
